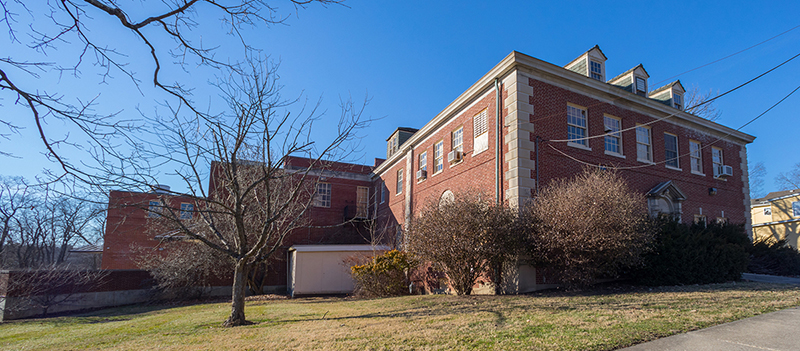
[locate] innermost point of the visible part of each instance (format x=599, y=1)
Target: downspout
x=497, y=159
x=538, y=143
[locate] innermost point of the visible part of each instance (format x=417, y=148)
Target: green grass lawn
x=547, y=321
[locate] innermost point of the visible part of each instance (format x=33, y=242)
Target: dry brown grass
x=557, y=321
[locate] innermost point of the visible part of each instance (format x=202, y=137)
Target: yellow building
x=777, y=215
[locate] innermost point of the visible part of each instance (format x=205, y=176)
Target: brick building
x=523, y=124
x=336, y=216
x=527, y=122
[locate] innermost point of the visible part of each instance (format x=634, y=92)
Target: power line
x=682, y=155
x=693, y=69
x=689, y=108
x=729, y=56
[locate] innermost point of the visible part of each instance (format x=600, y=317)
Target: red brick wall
x=550, y=122
x=472, y=173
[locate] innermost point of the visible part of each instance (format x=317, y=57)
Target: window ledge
x=673, y=168
x=720, y=178
x=698, y=173
x=614, y=154
x=477, y=152
x=645, y=161
x=579, y=146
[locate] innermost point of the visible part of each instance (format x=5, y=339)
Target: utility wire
x=683, y=155
x=675, y=113
x=693, y=69
x=729, y=56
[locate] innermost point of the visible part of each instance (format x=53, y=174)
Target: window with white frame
x=186, y=210
x=644, y=144
x=796, y=208
x=641, y=86
x=677, y=101
x=613, y=138
x=671, y=150
x=154, y=209
x=596, y=70
x=399, y=187
x=362, y=202
x=576, y=125
x=438, y=157
x=423, y=161
x=768, y=211
x=458, y=139
x=716, y=160
x=700, y=219
x=322, y=198
x=696, y=156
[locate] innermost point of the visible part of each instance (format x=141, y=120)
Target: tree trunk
x=237, y=298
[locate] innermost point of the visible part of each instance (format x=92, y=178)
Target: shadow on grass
x=620, y=298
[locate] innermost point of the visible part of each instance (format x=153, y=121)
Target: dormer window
x=641, y=86
x=677, y=101
x=596, y=70
x=392, y=145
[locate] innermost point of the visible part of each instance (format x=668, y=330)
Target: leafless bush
x=587, y=227
x=182, y=269
x=463, y=238
x=52, y=286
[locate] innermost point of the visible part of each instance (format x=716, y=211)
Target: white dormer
x=672, y=94
x=633, y=80
x=591, y=64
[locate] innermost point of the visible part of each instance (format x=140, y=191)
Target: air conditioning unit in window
x=422, y=174
x=723, y=171
x=454, y=156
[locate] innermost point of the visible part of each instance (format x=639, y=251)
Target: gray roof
x=628, y=72
x=773, y=195
x=668, y=86
x=88, y=248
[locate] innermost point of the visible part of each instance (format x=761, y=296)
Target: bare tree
x=252, y=201
x=789, y=180
x=698, y=104
x=40, y=224
x=109, y=39
x=463, y=238
x=588, y=227
x=757, y=173
x=51, y=286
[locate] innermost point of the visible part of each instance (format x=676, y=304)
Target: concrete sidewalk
x=771, y=331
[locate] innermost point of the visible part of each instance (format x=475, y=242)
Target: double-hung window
x=154, y=209
x=458, y=139
x=696, y=157
x=382, y=189
x=596, y=70
x=322, y=198
x=438, y=157
x=186, y=210
x=677, y=101
x=671, y=150
x=644, y=144
x=399, y=187
x=716, y=160
x=423, y=162
x=362, y=202
x=613, y=138
x=576, y=125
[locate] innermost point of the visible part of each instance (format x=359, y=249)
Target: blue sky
x=413, y=58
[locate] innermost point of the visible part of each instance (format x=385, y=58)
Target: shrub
x=464, y=238
x=696, y=254
x=588, y=227
x=384, y=275
x=770, y=256
x=183, y=269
